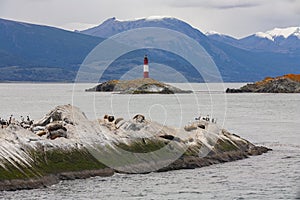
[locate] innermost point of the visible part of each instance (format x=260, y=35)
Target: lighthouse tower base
x=146, y=74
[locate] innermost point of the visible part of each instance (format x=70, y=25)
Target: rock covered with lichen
x=73, y=146
x=289, y=83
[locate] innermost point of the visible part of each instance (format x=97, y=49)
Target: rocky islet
x=137, y=86
x=289, y=83
x=103, y=147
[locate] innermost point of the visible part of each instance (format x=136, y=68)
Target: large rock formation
x=137, y=86
x=75, y=147
x=283, y=84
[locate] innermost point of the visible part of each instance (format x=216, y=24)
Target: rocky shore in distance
x=289, y=83
x=137, y=86
x=73, y=147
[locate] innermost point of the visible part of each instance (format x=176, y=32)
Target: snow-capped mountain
x=113, y=26
x=280, y=33
x=276, y=40
x=234, y=57
x=222, y=38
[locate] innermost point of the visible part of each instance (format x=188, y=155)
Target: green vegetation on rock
x=225, y=145
x=52, y=162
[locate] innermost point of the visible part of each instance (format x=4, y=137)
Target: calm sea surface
x=272, y=120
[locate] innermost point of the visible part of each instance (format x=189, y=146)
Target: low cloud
x=218, y=4
x=242, y=5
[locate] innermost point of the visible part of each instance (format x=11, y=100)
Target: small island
x=66, y=145
x=137, y=86
x=145, y=85
x=289, y=83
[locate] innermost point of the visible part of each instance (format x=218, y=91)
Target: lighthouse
x=146, y=67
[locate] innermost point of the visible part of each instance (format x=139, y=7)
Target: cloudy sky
x=237, y=18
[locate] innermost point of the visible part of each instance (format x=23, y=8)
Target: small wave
x=288, y=157
x=189, y=192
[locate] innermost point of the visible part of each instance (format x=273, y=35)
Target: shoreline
x=185, y=162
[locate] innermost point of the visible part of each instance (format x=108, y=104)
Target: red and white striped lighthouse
x=146, y=67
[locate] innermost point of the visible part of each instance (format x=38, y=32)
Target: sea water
x=272, y=120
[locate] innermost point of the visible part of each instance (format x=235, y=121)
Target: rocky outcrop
x=137, y=86
x=284, y=84
x=101, y=147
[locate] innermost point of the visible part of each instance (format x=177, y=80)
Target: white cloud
x=234, y=17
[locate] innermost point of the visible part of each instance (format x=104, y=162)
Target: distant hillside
x=235, y=62
x=31, y=52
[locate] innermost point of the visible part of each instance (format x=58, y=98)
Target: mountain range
x=284, y=40
x=31, y=52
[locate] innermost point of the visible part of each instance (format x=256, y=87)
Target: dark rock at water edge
x=45, y=181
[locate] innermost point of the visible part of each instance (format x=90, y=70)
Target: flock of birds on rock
x=207, y=118
x=57, y=129
x=11, y=120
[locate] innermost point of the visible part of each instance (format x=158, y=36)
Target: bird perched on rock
x=3, y=122
x=111, y=118
x=139, y=118
x=10, y=119
x=29, y=121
